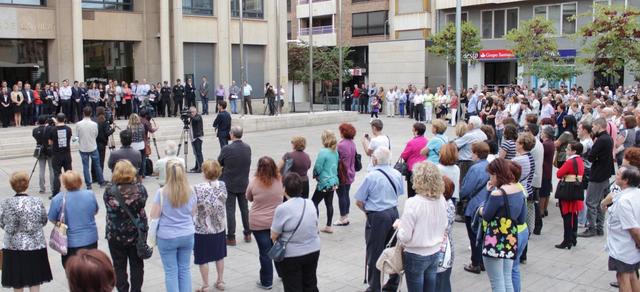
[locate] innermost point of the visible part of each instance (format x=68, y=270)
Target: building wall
x=397, y=63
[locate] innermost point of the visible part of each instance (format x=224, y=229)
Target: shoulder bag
x=390, y=260
x=570, y=191
x=395, y=190
x=357, y=162
x=402, y=167
x=500, y=235
x=58, y=240
x=152, y=236
x=278, y=250
x=288, y=164
x=142, y=249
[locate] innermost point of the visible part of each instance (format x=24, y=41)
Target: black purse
x=142, y=249
x=570, y=191
x=358, y=162
x=278, y=250
x=401, y=166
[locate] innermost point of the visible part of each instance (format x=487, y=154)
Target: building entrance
x=500, y=73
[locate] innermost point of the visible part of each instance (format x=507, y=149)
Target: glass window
x=126, y=5
x=105, y=60
x=359, y=24
x=487, y=23
x=411, y=34
x=251, y=9
x=25, y=2
x=568, y=24
x=540, y=11
x=409, y=6
x=498, y=24
x=377, y=21
x=24, y=60
x=512, y=19
x=451, y=18
x=197, y=7
x=368, y=23
x=554, y=16
x=289, y=30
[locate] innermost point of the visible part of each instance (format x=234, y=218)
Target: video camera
x=185, y=116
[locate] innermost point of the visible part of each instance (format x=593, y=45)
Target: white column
x=77, y=48
x=165, y=42
x=223, y=47
x=177, y=57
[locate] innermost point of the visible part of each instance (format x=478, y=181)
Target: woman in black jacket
x=104, y=131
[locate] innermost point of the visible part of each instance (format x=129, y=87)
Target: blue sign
x=571, y=53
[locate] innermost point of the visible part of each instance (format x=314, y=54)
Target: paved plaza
x=341, y=265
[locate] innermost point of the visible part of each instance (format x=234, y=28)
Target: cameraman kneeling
x=197, y=132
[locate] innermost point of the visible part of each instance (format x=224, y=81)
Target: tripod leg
x=34, y=169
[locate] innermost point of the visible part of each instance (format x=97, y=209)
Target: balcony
x=314, y=1
x=323, y=36
x=316, y=30
x=447, y=4
x=319, y=7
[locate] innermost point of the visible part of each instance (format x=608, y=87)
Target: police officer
x=178, y=95
x=165, y=100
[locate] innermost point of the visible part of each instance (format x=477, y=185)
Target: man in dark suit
x=222, y=123
x=235, y=160
x=204, y=91
x=178, y=95
x=29, y=105
x=76, y=95
x=125, y=152
x=165, y=100
x=197, y=131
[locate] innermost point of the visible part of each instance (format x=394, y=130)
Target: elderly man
x=378, y=198
x=235, y=160
x=547, y=109
x=473, y=135
x=170, y=152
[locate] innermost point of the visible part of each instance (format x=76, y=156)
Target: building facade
x=496, y=64
x=157, y=40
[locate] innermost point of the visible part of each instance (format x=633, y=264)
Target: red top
x=127, y=94
x=356, y=93
x=567, y=169
x=454, y=102
x=36, y=97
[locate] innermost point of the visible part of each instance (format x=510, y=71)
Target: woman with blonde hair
x=210, y=219
x=137, y=139
x=265, y=192
x=18, y=100
x=325, y=171
x=125, y=191
x=174, y=205
x=422, y=226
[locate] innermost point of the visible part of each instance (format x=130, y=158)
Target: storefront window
x=24, y=60
x=197, y=7
x=126, y=5
x=25, y=2
x=105, y=60
x=251, y=9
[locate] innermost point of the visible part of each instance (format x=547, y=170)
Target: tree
x=444, y=43
x=537, y=50
x=611, y=41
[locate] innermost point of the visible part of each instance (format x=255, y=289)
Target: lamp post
x=278, y=85
x=242, y=57
x=458, y=51
x=310, y=56
x=340, y=55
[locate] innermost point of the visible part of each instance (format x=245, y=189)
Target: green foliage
x=326, y=63
x=444, y=42
x=611, y=41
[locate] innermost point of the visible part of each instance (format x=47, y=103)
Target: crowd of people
x=495, y=176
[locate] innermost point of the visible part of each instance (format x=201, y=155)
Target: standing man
x=222, y=124
x=190, y=93
x=65, y=93
x=29, y=105
x=392, y=96
x=220, y=96
x=379, y=140
x=75, y=94
x=472, y=106
x=87, y=131
x=204, y=99
x=197, y=131
x=126, y=152
x=270, y=95
x=246, y=97
x=42, y=140
x=235, y=160
x=234, y=92
x=178, y=95
x=602, y=168
x=377, y=197
x=60, y=147
x=165, y=100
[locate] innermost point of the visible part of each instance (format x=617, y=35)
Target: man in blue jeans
x=87, y=131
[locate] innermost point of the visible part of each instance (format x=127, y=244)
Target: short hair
x=347, y=131
x=292, y=184
x=382, y=156
x=90, y=270
x=449, y=187
x=501, y=168
x=170, y=147
x=19, y=181
x=71, y=180
x=510, y=132
x=223, y=104
x=42, y=119
x=448, y=154
x=509, y=121
x=527, y=140
x=124, y=172
x=577, y=147
x=481, y=149
x=211, y=169
x=439, y=125
x=377, y=124
x=87, y=111
x=60, y=117
x=299, y=143
x=548, y=131
x=126, y=137
x=631, y=174
x=427, y=180
x=629, y=122
x=475, y=121
x=329, y=139
x=586, y=126
x=461, y=129
x=488, y=130
x=601, y=122
x=420, y=128
x=632, y=155
x=533, y=128
x=236, y=131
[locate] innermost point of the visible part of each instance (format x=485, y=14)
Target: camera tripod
x=185, y=137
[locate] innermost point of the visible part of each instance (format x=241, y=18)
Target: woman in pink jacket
x=411, y=154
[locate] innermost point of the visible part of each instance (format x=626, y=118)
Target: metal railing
x=316, y=30
x=314, y=1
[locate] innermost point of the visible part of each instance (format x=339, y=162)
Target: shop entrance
x=23, y=60
x=500, y=73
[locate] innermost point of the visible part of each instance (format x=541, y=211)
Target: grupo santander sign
x=495, y=54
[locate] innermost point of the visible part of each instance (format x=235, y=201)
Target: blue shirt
x=474, y=186
x=473, y=104
x=434, y=146
x=79, y=216
x=376, y=192
x=175, y=222
x=465, y=142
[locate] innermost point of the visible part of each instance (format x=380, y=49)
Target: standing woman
x=265, y=192
x=325, y=171
x=126, y=100
x=5, y=107
x=412, y=153
x=568, y=135
x=569, y=209
x=17, y=99
x=438, y=128
x=448, y=168
x=125, y=191
x=25, y=262
x=210, y=220
x=101, y=101
x=137, y=138
x=174, y=205
x=346, y=97
x=300, y=162
x=508, y=146
x=37, y=100
x=94, y=96
x=104, y=131
x=453, y=105
x=346, y=170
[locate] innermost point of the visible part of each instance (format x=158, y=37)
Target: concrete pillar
x=177, y=55
x=223, y=63
x=165, y=42
x=60, y=52
x=78, y=54
x=270, y=52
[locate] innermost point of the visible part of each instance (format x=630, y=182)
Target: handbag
x=277, y=251
x=152, y=235
x=147, y=148
x=500, y=235
x=570, y=190
x=357, y=162
x=58, y=239
x=401, y=166
x=390, y=260
x=142, y=249
x=288, y=164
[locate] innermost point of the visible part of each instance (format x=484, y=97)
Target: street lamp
x=458, y=51
x=310, y=56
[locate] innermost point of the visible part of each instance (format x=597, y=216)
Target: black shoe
x=614, y=284
x=523, y=261
x=575, y=242
x=472, y=269
x=564, y=245
x=537, y=231
x=587, y=233
x=546, y=213
x=599, y=233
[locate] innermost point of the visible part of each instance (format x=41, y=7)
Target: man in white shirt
x=87, y=131
x=246, y=97
x=171, y=153
x=538, y=156
x=370, y=144
x=418, y=106
x=391, y=101
x=547, y=109
x=623, y=230
x=141, y=92
x=65, y=98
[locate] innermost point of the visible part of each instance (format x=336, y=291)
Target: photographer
x=60, y=149
x=40, y=135
x=197, y=132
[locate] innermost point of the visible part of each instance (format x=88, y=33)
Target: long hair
x=177, y=187
x=134, y=120
x=571, y=125
x=267, y=171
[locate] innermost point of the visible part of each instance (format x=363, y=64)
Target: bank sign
x=507, y=55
